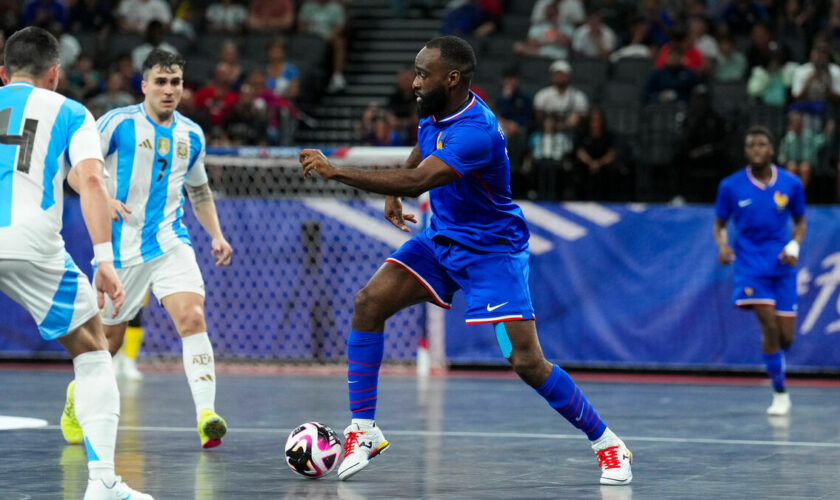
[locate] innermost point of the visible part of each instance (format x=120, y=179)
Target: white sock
x=363, y=422
x=97, y=403
x=200, y=369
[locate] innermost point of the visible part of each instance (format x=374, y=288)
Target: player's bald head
x=456, y=55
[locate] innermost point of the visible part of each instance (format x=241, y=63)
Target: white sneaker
x=780, y=405
x=130, y=371
x=614, y=459
x=98, y=490
x=360, y=445
x=337, y=83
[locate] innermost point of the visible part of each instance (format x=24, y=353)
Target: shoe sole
x=214, y=430
x=347, y=474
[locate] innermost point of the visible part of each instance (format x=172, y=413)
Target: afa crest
x=163, y=146
x=781, y=200
x=182, y=150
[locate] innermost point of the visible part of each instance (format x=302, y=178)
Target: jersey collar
x=149, y=118
x=457, y=114
x=757, y=183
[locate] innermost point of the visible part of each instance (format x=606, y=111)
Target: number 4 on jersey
x=26, y=140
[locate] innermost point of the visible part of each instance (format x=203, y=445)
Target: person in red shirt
x=692, y=58
x=217, y=98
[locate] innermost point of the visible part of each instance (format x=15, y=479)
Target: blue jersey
x=761, y=215
x=476, y=210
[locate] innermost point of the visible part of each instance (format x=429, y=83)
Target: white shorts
x=173, y=272
x=56, y=293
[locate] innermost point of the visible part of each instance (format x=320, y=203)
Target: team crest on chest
x=163, y=146
x=182, y=150
x=781, y=200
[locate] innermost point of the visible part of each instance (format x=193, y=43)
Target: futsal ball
x=312, y=450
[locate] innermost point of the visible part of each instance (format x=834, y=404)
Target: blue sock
x=565, y=396
x=364, y=357
x=776, y=369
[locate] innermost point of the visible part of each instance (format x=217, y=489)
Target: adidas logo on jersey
x=145, y=144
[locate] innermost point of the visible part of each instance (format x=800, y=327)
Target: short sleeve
x=196, y=174
x=799, y=76
x=723, y=202
x=797, y=200
x=84, y=142
x=466, y=149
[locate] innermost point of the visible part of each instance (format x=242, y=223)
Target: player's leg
x=410, y=276
x=785, y=319
x=125, y=359
x=177, y=280
x=774, y=357
x=63, y=304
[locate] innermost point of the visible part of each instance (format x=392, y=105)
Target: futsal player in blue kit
x=477, y=241
x=761, y=199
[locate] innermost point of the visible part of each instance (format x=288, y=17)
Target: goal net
x=302, y=247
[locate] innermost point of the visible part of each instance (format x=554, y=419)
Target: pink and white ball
x=313, y=450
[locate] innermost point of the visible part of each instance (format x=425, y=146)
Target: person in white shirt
x=567, y=103
x=594, y=39
x=45, y=138
x=135, y=15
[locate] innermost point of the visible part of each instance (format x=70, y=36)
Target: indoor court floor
x=463, y=436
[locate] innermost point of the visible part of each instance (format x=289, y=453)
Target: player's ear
x=453, y=78
x=3, y=75
x=51, y=77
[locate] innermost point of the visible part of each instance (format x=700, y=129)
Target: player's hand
x=788, y=259
x=726, y=255
x=221, y=251
x=118, y=210
x=314, y=159
x=108, y=283
x=395, y=215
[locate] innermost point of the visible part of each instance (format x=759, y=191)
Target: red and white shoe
x=613, y=458
x=361, y=443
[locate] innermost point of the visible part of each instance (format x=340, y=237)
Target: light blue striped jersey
x=148, y=165
x=42, y=135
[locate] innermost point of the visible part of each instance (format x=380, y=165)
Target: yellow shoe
x=69, y=425
x=211, y=428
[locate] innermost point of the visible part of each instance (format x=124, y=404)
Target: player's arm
x=90, y=184
x=790, y=254
x=430, y=173
x=393, y=204
x=725, y=253
x=204, y=208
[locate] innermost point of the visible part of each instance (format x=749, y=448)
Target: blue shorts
x=776, y=291
x=495, y=284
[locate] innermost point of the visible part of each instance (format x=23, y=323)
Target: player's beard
x=432, y=102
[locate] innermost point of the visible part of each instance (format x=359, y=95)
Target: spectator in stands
x=155, y=32
x=615, y=13
x=326, y=19
x=637, y=46
x=135, y=15
x=131, y=77
x=761, y=43
x=742, y=15
x=800, y=148
x=770, y=84
x=44, y=13
x=700, y=39
x=84, y=80
x=69, y=47
x=814, y=85
x=226, y=16
x=596, y=170
x=691, y=57
x=183, y=24
x=114, y=96
x=549, y=150
x=402, y=105
x=278, y=109
x=283, y=76
x=673, y=82
x=658, y=20
x=380, y=132
x=569, y=11
x=217, y=98
x=469, y=17
x=797, y=20
x=92, y=16
x=9, y=15
x=560, y=99
x=831, y=23
x=730, y=65
x=550, y=39
x=700, y=149
x=229, y=53
x=514, y=110
x=247, y=122
x=593, y=38
x=271, y=15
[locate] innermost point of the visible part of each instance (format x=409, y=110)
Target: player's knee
x=365, y=305
x=785, y=343
x=526, y=365
x=190, y=320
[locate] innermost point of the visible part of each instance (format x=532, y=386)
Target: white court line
x=347, y=215
x=503, y=435
x=551, y=222
x=594, y=212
